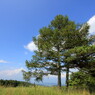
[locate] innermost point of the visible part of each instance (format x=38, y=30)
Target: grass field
x=39, y=90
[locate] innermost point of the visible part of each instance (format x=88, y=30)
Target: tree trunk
x=59, y=70
x=67, y=77
x=59, y=78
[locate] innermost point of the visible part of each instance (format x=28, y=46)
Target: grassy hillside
x=39, y=90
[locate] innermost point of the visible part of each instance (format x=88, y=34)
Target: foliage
x=82, y=79
x=52, y=42
x=62, y=45
x=13, y=83
x=82, y=56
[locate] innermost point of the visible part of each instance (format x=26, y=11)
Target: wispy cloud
x=13, y=74
x=9, y=73
x=63, y=75
x=26, y=53
x=31, y=46
x=3, y=61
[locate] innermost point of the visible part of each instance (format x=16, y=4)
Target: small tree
x=82, y=79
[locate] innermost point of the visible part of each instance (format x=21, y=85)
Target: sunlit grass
x=40, y=90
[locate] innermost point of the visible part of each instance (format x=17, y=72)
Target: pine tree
x=54, y=43
x=83, y=56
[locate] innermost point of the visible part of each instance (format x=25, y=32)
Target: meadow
x=40, y=90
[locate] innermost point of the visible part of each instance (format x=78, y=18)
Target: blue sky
x=20, y=20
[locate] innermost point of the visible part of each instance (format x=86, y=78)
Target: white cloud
x=9, y=73
x=3, y=61
x=31, y=46
x=91, y=22
x=63, y=75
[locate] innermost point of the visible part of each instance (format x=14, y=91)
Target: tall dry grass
x=40, y=90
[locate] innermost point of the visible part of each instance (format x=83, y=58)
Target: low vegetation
x=39, y=90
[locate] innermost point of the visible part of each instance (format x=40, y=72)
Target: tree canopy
x=61, y=45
